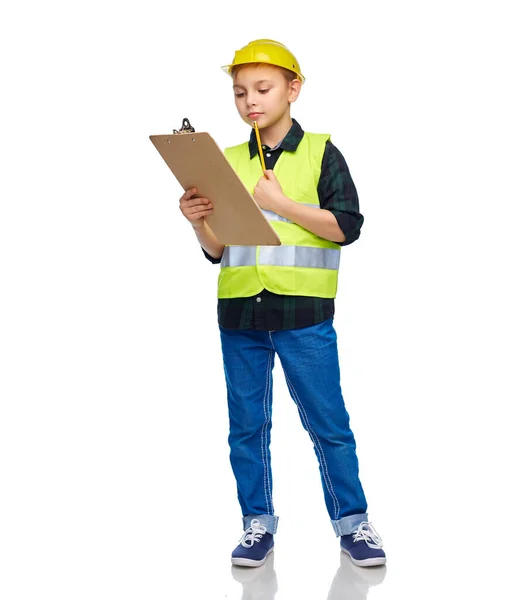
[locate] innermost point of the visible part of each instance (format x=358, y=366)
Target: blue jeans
x=310, y=362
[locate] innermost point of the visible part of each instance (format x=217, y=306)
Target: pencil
x=259, y=145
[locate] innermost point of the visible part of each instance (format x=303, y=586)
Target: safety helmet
x=266, y=51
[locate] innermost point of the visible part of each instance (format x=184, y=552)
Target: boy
x=280, y=300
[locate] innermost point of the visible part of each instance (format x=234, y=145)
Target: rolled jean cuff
x=269, y=521
x=348, y=524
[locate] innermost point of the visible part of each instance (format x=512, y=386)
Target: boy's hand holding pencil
x=268, y=192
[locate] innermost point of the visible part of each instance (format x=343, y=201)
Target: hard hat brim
x=228, y=68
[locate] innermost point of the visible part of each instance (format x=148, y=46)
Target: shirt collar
x=290, y=142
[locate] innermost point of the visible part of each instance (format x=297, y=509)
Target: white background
x=115, y=479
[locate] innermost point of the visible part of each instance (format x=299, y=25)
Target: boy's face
x=263, y=94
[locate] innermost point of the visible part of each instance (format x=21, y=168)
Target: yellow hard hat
x=266, y=51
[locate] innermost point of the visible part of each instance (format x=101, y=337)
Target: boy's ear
x=294, y=89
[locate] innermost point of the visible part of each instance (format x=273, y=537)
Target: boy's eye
x=239, y=94
x=263, y=91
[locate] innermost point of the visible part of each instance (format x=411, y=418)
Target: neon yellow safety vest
x=305, y=264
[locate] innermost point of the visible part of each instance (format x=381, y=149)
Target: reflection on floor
x=258, y=583
x=350, y=582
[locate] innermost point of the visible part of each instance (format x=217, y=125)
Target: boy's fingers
x=200, y=215
x=195, y=210
x=188, y=193
x=201, y=208
x=201, y=202
x=204, y=213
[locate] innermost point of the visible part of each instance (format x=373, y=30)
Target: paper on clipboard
x=197, y=161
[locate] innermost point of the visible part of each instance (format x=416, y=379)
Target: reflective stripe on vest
x=282, y=256
x=238, y=256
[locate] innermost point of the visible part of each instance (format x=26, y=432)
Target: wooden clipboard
x=197, y=161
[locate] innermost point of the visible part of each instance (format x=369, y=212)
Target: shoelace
x=368, y=534
x=253, y=534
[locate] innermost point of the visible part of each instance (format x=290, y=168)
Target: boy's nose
x=251, y=100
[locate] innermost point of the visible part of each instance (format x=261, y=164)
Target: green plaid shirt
x=267, y=311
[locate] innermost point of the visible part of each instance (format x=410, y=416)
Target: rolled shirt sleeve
x=337, y=193
x=213, y=260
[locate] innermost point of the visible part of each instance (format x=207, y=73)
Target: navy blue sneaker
x=364, y=546
x=254, y=546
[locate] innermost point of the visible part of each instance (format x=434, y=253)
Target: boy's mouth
x=254, y=115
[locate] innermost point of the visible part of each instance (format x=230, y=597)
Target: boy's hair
x=289, y=75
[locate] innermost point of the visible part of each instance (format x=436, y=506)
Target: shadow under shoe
x=352, y=582
x=259, y=583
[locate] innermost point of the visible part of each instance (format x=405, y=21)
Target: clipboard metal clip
x=186, y=127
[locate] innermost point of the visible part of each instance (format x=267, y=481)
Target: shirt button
x=268, y=154
x=258, y=299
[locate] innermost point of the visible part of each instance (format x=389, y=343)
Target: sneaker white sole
x=248, y=562
x=367, y=562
